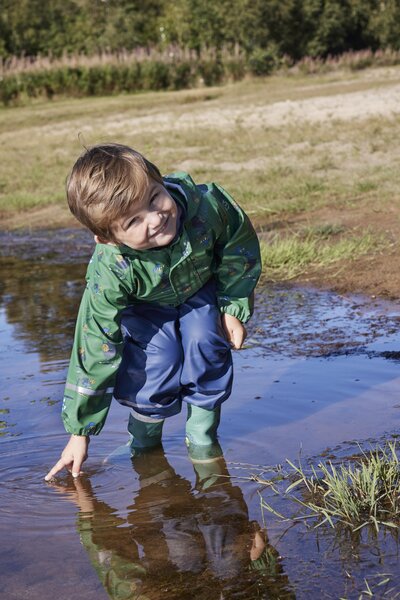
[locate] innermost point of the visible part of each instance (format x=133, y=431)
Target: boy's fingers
x=238, y=337
x=239, y=340
x=57, y=467
x=244, y=335
x=232, y=339
x=76, y=468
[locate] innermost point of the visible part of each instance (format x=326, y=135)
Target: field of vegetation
x=313, y=160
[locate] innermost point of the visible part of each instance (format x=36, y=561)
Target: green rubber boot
x=145, y=433
x=153, y=467
x=202, y=425
x=208, y=463
x=201, y=433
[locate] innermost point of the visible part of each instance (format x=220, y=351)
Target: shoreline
x=376, y=275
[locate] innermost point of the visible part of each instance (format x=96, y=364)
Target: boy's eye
x=154, y=197
x=132, y=221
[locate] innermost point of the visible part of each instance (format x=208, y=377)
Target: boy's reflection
x=178, y=542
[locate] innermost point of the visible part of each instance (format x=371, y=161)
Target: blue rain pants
x=173, y=355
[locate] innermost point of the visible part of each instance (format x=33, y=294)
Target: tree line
x=291, y=28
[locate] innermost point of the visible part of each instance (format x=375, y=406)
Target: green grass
x=290, y=256
x=362, y=492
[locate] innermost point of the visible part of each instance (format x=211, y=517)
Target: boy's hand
x=234, y=329
x=258, y=544
x=79, y=491
x=72, y=457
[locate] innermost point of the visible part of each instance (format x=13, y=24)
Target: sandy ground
x=376, y=275
x=383, y=99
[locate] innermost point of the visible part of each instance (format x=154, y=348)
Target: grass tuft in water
x=365, y=492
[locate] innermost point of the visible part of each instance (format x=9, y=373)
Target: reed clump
x=349, y=61
x=107, y=73
x=363, y=492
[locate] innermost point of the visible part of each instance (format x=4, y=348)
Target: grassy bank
x=306, y=182
x=290, y=256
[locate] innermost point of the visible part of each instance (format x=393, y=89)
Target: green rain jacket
x=216, y=240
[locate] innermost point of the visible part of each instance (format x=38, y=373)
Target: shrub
x=211, y=71
x=236, y=68
x=262, y=61
x=155, y=75
x=31, y=88
x=133, y=81
x=10, y=90
x=182, y=76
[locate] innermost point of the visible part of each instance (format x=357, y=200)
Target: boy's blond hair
x=104, y=183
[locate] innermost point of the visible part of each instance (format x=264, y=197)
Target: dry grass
x=15, y=64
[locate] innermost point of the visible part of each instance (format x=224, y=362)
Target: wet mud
x=319, y=374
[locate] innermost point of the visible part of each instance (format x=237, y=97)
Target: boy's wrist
x=78, y=436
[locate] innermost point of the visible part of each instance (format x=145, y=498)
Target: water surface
x=319, y=372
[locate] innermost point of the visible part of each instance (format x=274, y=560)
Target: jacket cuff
x=90, y=428
x=241, y=308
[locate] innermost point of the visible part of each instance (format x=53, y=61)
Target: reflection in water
x=41, y=301
x=178, y=542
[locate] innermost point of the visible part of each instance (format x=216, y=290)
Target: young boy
x=169, y=287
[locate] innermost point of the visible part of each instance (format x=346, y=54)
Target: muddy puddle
x=319, y=373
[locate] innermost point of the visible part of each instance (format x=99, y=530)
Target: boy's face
x=152, y=223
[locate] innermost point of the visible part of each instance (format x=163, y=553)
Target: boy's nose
x=154, y=220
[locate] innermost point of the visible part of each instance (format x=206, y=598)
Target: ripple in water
x=37, y=506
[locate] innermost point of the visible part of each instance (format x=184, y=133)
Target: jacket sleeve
x=97, y=349
x=238, y=258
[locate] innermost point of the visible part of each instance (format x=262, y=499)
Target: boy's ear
x=100, y=240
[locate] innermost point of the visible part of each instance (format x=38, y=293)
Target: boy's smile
x=152, y=223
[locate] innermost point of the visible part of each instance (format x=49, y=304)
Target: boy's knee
x=205, y=333
x=154, y=350
x=208, y=344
